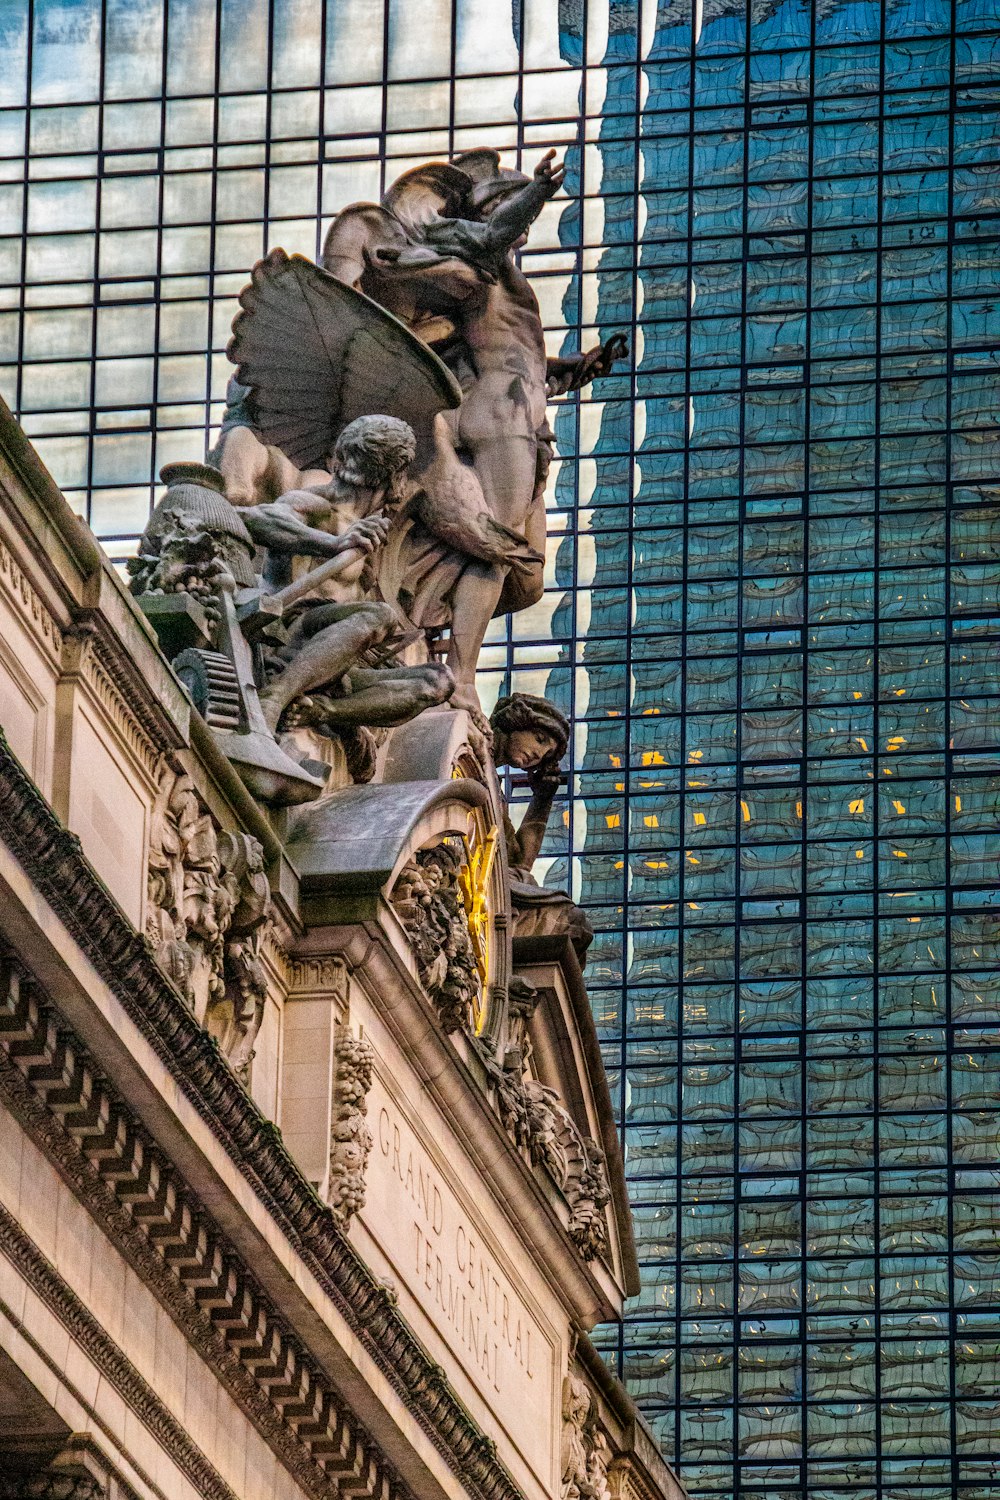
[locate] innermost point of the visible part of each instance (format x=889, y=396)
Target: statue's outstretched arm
x=571, y=372
x=279, y=530
x=515, y=214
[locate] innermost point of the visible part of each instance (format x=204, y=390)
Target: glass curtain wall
x=772, y=605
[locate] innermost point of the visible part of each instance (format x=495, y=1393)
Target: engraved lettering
x=453, y=1274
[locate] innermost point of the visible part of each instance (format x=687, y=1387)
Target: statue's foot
x=271, y=707
x=465, y=696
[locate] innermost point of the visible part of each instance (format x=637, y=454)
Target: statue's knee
x=382, y=617
x=435, y=684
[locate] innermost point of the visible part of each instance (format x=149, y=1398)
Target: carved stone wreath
x=429, y=900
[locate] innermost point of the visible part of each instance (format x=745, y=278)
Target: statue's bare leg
x=328, y=651
x=394, y=695
x=505, y=468
x=474, y=599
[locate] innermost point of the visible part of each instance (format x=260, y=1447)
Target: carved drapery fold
x=586, y=1453
x=538, y=1121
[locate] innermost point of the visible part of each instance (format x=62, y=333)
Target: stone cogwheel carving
x=350, y=1137
x=428, y=899
x=206, y=915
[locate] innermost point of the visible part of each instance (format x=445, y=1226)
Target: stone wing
x=316, y=354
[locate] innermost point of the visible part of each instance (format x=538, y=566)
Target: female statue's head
x=528, y=732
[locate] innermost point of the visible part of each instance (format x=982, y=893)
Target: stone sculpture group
x=375, y=497
x=382, y=460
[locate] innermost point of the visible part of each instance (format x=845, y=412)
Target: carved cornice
x=26, y=599
x=53, y=859
x=111, y=657
x=141, y=729
x=114, y=1365
x=80, y=1470
x=89, y=657
x=146, y=1210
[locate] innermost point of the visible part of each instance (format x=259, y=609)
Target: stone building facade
x=309, y=1180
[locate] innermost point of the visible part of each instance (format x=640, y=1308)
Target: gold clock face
x=474, y=885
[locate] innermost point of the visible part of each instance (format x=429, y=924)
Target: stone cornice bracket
x=322, y=976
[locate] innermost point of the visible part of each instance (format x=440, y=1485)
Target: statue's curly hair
x=525, y=711
x=374, y=450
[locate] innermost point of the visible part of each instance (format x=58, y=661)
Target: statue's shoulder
x=367, y=221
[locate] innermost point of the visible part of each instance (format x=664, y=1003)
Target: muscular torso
x=499, y=326
x=504, y=336
x=335, y=519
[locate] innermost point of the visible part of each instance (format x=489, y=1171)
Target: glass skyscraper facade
x=771, y=609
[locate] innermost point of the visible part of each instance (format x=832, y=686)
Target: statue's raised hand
x=550, y=174
x=546, y=778
x=572, y=372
